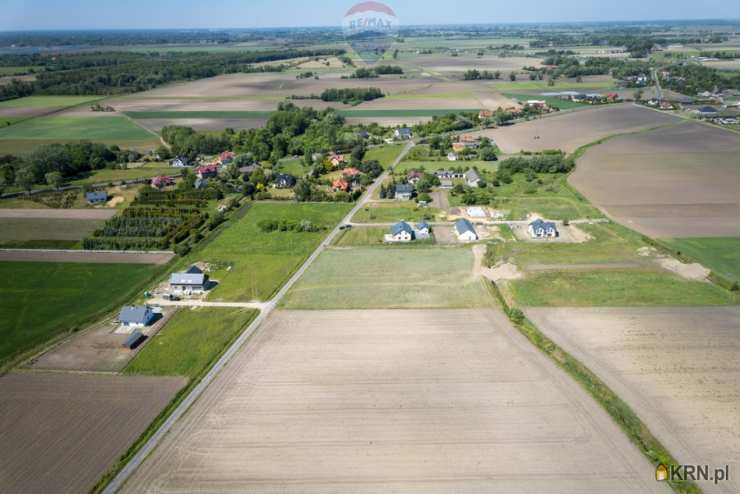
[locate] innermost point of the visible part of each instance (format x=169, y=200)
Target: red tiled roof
x=341, y=184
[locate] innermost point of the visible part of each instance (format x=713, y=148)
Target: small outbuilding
x=96, y=197
x=133, y=340
x=465, y=231
x=136, y=316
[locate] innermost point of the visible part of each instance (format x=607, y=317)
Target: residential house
x=180, y=162
x=470, y=138
x=403, y=133
x=248, y=169
x=472, y=178
x=423, y=230
x=226, y=157
x=192, y=281
x=200, y=183
x=485, y=114
x=285, y=181
x=404, y=192
x=136, y=316
x=465, y=231
x=162, y=181
x=414, y=176
x=340, y=184
x=351, y=172
x=612, y=97
x=363, y=134
x=451, y=156
x=543, y=229
x=96, y=197
x=402, y=232
x=448, y=174
x=208, y=171
x=706, y=111
x=459, y=147
x=337, y=159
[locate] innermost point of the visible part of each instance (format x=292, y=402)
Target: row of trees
x=351, y=95
x=365, y=73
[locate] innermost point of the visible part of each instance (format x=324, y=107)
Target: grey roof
x=462, y=225
x=194, y=270
x=538, y=223
x=472, y=175
x=133, y=339
x=404, y=131
x=423, y=225
x=404, y=189
x=98, y=196
x=187, y=279
x=402, y=226
x=135, y=314
x=707, y=109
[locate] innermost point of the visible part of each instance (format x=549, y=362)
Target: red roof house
x=351, y=172
x=162, y=181
x=340, y=184
x=226, y=157
x=210, y=170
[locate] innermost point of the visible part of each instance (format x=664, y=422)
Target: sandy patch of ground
x=677, y=367
x=568, y=131
x=62, y=432
x=393, y=401
x=58, y=214
x=115, y=201
x=677, y=181
x=40, y=255
x=96, y=349
x=693, y=271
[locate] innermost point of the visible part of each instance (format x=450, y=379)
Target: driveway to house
x=229, y=354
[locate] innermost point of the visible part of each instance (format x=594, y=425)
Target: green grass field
x=251, y=264
x=361, y=235
x=561, y=85
x=230, y=114
x=42, y=300
x=391, y=212
x=75, y=128
x=721, y=255
x=615, y=288
x=41, y=233
x=111, y=175
x=385, y=155
x=432, y=166
x=190, y=341
x=374, y=278
x=48, y=101
x=292, y=166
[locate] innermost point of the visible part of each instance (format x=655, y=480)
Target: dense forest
x=103, y=73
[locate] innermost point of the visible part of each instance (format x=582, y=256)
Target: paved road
x=267, y=308
x=205, y=303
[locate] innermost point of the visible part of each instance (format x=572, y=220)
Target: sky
x=148, y=14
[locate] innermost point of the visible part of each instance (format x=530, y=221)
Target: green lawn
x=392, y=277
x=292, y=166
x=75, y=128
x=562, y=85
x=190, y=341
x=721, y=254
x=362, y=235
x=384, y=154
x=47, y=101
x=251, y=264
x=111, y=175
x=615, y=288
x=45, y=233
x=230, y=114
x=391, y=212
x=432, y=166
x=42, y=300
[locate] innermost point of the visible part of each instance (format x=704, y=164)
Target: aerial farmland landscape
x=370, y=247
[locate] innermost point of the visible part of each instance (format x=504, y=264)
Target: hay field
x=569, y=131
x=62, y=432
x=393, y=401
x=676, y=367
x=677, y=181
x=390, y=277
x=45, y=233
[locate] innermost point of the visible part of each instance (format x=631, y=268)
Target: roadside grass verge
x=42, y=301
x=190, y=341
x=620, y=412
x=250, y=264
x=391, y=212
x=352, y=278
x=618, y=287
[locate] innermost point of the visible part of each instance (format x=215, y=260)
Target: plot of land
x=391, y=212
x=42, y=300
x=721, y=255
x=392, y=277
x=393, y=401
x=676, y=367
x=45, y=233
x=62, y=432
x=677, y=181
x=251, y=264
x=58, y=214
x=85, y=257
x=571, y=130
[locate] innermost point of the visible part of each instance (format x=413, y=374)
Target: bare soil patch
x=677, y=181
x=569, y=131
x=676, y=367
x=62, y=432
x=393, y=401
x=82, y=256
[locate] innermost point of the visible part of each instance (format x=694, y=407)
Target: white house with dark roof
x=423, y=230
x=403, y=133
x=472, y=178
x=401, y=232
x=191, y=282
x=465, y=231
x=136, y=316
x=404, y=192
x=543, y=229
